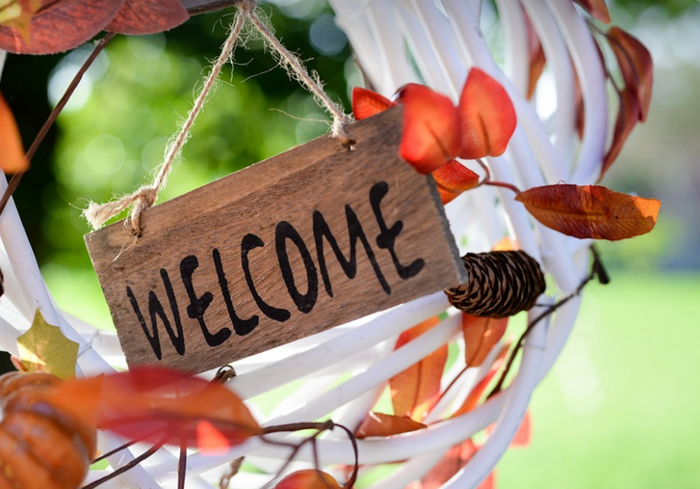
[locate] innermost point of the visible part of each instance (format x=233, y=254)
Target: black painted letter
x=155, y=309
x=355, y=232
x=304, y=302
x=198, y=305
x=250, y=242
x=241, y=326
x=387, y=237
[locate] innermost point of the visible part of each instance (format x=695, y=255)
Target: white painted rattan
x=341, y=372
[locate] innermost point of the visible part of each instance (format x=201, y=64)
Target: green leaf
x=44, y=348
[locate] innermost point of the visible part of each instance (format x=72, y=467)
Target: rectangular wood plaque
x=306, y=240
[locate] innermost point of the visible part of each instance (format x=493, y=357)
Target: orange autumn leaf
x=627, y=117
x=487, y=116
x=308, y=479
x=452, y=462
x=431, y=135
x=480, y=336
x=164, y=406
x=597, y=8
x=453, y=178
x=523, y=436
x=537, y=57
x=591, y=211
x=478, y=391
x=506, y=244
x=636, y=65
x=416, y=390
x=12, y=158
x=366, y=103
x=379, y=424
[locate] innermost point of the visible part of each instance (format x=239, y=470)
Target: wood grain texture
x=369, y=190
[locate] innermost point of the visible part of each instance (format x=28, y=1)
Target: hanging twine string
x=312, y=83
x=145, y=197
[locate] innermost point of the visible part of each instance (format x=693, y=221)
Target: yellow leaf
x=18, y=14
x=44, y=348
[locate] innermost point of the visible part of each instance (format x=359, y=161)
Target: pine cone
x=501, y=284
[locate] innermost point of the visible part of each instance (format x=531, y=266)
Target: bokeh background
x=621, y=409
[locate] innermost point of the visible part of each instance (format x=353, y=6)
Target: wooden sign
x=306, y=240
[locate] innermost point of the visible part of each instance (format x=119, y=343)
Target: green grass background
x=621, y=407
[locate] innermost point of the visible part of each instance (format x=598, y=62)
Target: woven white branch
x=396, y=41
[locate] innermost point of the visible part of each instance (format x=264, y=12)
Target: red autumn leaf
x=416, y=390
x=308, y=479
x=430, y=128
x=489, y=482
x=627, y=117
x=523, y=436
x=636, y=65
x=159, y=406
x=591, y=211
x=537, y=57
x=148, y=17
x=451, y=463
x=12, y=158
x=597, y=9
x=366, y=103
x=453, y=178
x=487, y=116
x=478, y=391
x=59, y=25
x=379, y=424
x=480, y=336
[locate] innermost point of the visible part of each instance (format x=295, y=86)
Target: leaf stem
x=17, y=177
x=487, y=179
x=322, y=426
x=504, y=185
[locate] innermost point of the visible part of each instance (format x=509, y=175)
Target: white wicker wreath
x=341, y=372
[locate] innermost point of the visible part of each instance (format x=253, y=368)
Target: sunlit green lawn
x=621, y=408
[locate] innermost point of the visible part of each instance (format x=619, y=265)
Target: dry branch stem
x=597, y=270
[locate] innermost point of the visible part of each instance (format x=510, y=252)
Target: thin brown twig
x=234, y=467
x=454, y=381
x=182, y=467
x=17, y=177
x=116, y=450
x=597, y=270
x=136, y=461
x=356, y=468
